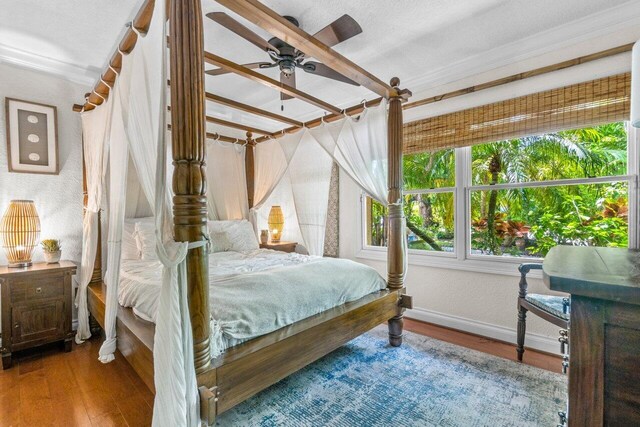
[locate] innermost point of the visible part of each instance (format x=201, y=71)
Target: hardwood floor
x=49, y=387
x=486, y=345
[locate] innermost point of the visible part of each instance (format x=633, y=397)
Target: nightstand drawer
x=43, y=288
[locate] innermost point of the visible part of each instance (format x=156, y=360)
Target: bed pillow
x=146, y=239
x=129, y=245
x=219, y=242
x=239, y=233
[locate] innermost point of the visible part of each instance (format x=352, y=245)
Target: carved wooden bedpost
x=395, y=243
x=249, y=166
x=189, y=180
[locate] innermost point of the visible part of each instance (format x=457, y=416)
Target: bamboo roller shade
x=585, y=104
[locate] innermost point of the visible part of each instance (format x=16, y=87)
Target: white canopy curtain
x=359, y=146
x=138, y=125
x=310, y=175
x=226, y=181
x=271, y=162
x=95, y=137
x=294, y=172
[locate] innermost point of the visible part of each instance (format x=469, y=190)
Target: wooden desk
x=604, y=332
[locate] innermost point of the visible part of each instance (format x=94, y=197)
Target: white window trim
x=461, y=258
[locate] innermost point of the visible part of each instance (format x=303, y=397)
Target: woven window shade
x=585, y=104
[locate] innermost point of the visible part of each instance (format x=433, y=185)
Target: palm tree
x=598, y=151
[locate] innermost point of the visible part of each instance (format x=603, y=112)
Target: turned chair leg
x=522, y=329
x=396, y=324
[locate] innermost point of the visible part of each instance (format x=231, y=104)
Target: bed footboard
x=248, y=368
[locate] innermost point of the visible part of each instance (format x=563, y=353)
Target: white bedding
x=256, y=292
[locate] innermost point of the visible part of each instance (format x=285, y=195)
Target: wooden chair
x=551, y=308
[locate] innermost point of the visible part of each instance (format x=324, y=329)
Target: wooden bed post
x=249, y=166
x=395, y=245
x=189, y=179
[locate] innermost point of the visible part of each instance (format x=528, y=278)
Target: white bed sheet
x=255, y=292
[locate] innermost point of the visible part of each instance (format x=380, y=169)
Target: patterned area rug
x=424, y=383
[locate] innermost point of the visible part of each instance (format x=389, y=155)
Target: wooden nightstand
x=280, y=246
x=36, y=307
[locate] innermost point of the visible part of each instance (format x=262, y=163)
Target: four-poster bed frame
x=254, y=365
x=246, y=369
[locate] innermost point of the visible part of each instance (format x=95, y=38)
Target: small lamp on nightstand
x=19, y=232
x=276, y=223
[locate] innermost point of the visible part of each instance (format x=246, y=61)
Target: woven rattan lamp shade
x=276, y=223
x=19, y=232
x=580, y=105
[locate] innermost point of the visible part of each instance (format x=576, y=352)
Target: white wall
x=58, y=198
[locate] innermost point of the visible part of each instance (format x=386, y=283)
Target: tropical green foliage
x=524, y=221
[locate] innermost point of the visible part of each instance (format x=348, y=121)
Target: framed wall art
x=32, y=137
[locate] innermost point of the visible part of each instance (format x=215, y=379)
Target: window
x=429, y=180
x=520, y=197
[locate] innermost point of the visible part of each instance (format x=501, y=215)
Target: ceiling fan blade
x=338, y=31
x=251, y=65
x=320, y=69
x=289, y=80
x=233, y=25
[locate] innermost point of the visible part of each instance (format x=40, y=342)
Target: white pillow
x=239, y=233
x=129, y=245
x=146, y=239
x=219, y=242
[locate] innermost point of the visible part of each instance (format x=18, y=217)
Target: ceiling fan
x=287, y=57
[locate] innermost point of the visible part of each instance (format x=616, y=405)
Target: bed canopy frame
x=250, y=367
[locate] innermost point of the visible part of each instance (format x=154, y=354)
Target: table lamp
x=276, y=223
x=19, y=232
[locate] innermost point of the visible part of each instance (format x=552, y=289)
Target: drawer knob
x=38, y=290
x=17, y=325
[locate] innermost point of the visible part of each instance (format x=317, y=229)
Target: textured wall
x=58, y=198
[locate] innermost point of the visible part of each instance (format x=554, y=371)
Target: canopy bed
x=124, y=120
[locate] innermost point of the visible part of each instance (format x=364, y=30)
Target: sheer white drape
x=310, y=175
x=359, y=146
x=226, y=181
x=95, y=134
x=118, y=156
x=294, y=172
x=271, y=162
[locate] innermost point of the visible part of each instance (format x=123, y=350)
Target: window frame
x=462, y=257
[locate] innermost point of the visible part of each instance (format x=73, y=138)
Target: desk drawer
x=37, y=289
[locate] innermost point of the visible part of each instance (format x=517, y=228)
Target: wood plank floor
x=49, y=387
x=486, y=345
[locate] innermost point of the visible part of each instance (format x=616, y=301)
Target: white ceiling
x=420, y=41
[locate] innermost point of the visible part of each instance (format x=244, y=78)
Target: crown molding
x=596, y=25
x=82, y=75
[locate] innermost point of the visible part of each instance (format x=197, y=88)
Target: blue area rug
x=425, y=382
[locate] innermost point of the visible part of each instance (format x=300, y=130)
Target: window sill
x=505, y=267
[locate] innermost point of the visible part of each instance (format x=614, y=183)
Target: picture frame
x=32, y=137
